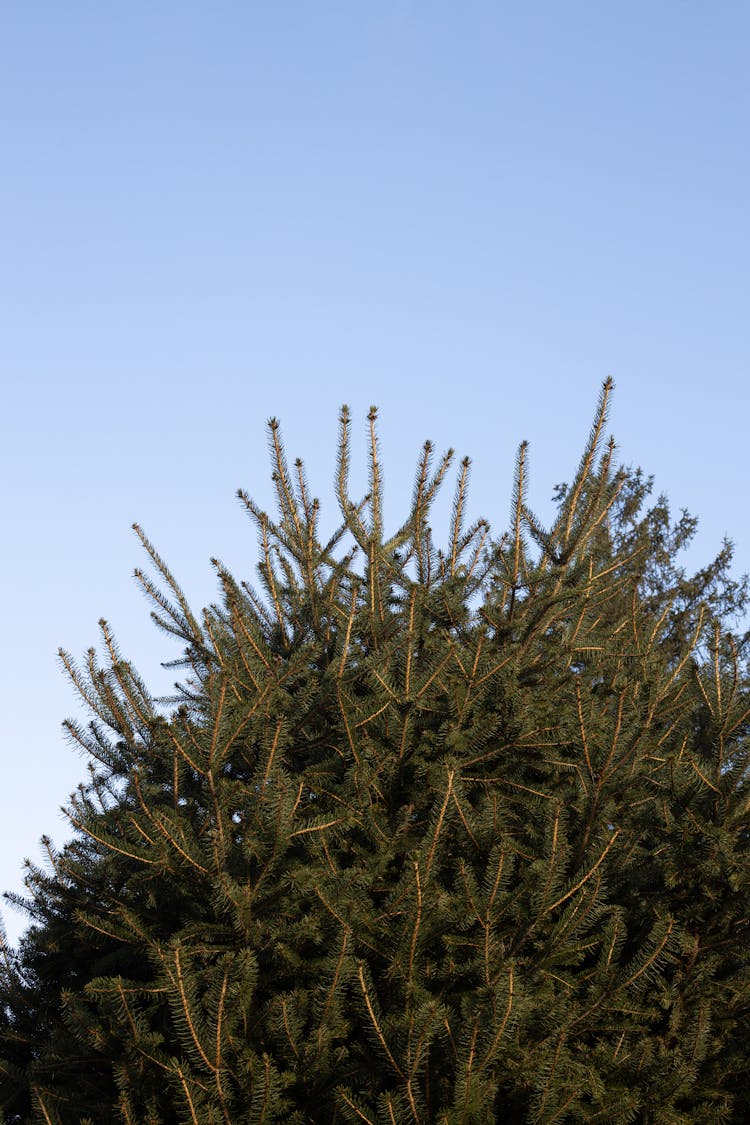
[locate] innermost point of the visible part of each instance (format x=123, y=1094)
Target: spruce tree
x=452, y=835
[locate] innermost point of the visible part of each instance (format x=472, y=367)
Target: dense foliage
x=454, y=836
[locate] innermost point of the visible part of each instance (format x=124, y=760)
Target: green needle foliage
x=451, y=835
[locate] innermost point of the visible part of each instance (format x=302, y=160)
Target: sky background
x=467, y=213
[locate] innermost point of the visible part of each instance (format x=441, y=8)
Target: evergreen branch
x=482, y=529
x=519, y=501
x=336, y=974
x=470, y=1064
x=347, y=727
x=186, y=621
x=496, y=668
x=345, y=1097
x=552, y=860
x=649, y=961
x=182, y=751
x=539, y=1115
x=587, y=876
x=376, y=489
x=589, y=453
x=251, y=641
x=374, y=1021
x=706, y=781
x=317, y=827
x=272, y=753
x=349, y=511
x=189, y=1023
x=81, y=916
x=268, y=574
x=417, y=920
x=441, y=817
x=40, y=1102
x=504, y=1023
x=277, y=531
x=280, y=477
x=91, y=699
x=370, y=718
x=157, y=823
x=217, y=723
x=459, y=502
x=584, y=738
x=463, y=819
x=110, y=845
x=188, y=1097
x=689, y=650
x=409, y=644
x=431, y=679
x=287, y=1030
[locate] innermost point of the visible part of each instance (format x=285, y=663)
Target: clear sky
x=468, y=213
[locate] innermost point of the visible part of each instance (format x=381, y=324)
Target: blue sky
x=469, y=214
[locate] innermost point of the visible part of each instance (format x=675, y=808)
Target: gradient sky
x=467, y=213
